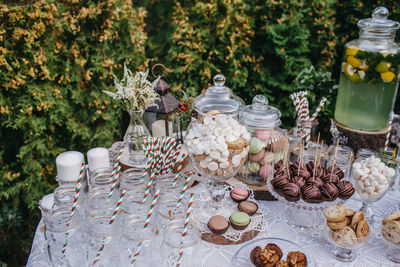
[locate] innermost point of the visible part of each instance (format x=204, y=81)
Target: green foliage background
x=57, y=56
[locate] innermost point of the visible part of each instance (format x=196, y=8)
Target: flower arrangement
x=135, y=92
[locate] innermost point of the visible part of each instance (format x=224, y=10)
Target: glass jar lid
x=261, y=115
x=219, y=97
x=379, y=21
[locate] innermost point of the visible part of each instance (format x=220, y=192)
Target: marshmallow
x=220, y=140
x=213, y=145
x=225, y=154
x=208, y=159
x=203, y=164
x=236, y=160
x=356, y=165
x=231, y=138
x=388, y=172
x=215, y=154
x=224, y=165
x=212, y=166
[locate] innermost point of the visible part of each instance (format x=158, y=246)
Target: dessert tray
x=202, y=212
x=242, y=256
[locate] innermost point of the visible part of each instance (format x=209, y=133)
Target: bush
x=55, y=60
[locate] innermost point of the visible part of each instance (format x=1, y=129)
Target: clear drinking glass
x=101, y=235
x=64, y=196
x=133, y=183
x=99, y=204
x=64, y=243
x=346, y=249
x=389, y=157
x=167, y=211
x=173, y=243
x=134, y=234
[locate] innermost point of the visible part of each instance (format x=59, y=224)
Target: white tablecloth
x=371, y=254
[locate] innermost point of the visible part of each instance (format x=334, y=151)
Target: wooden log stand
x=357, y=139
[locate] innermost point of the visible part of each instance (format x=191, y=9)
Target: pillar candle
x=98, y=158
x=68, y=166
x=158, y=128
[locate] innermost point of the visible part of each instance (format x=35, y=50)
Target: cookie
x=275, y=248
x=282, y=263
x=297, y=258
x=391, y=232
x=362, y=229
x=218, y=224
x=335, y=213
x=345, y=237
x=337, y=225
x=239, y=220
x=248, y=207
x=350, y=213
x=357, y=217
x=392, y=217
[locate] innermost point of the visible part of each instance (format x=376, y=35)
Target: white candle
x=98, y=158
x=69, y=165
x=158, y=128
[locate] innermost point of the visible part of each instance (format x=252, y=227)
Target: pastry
x=337, y=225
x=218, y=224
x=346, y=189
x=350, y=213
x=345, y=237
x=391, y=232
x=291, y=191
x=255, y=256
x=248, y=207
x=265, y=171
x=274, y=248
x=357, y=217
x=256, y=145
x=239, y=194
x=395, y=216
x=335, y=213
x=329, y=191
x=239, y=220
x=296, y=259
x=282, y=263
x=258, y=157
x=362, y=229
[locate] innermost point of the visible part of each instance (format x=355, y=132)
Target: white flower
x=134, y=92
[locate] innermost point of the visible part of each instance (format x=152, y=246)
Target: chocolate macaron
x=218, y=224
x=248, y=207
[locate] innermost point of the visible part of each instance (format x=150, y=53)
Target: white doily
x=201, y=217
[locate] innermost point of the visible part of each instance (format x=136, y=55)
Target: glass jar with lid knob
x=268, y=143
x=369, y=77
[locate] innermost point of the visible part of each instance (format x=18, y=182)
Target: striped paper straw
x=389, y=129
x=182, y=194
x=112, y=219
x=185, y=226
x=146, y=224
x=180, y=166
x=114, y=181
x=146, y=193
x=116, y=164
x=321, y=104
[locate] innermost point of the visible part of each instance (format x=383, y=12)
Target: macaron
x=218, y=224
x=253, y=166
x=248, y=207
x=258, y=156
x=239, y=220
x=263, y=134
x=265, y=171
x=239, y=194
x=256, y=145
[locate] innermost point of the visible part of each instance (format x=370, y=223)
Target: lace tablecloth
x=371, y=254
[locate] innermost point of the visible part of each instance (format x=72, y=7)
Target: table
x=371, y=254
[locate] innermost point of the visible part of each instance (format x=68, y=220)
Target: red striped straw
x=146, y=193
x=116, y=164
x=114, y=181
x=112, y=219
x=185, y=226
x=172, y=157
x=146, y=224
x=74, y=204
x=321, y=104
x=185, y=186
x=389, y=129
x=180, y=167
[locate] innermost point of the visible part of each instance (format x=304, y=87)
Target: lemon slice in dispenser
x=355, y=62
x=383, y=66
x=387, y=77
x=351, y=51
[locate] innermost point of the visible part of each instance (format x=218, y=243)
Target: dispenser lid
x=379, y=21
x=260, y=115
x=219, y=97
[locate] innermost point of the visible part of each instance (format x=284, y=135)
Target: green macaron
x=255, y=145
x=239, y=220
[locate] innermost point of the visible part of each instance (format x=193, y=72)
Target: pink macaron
x=257, y=157
x=265, y=171
x=239, y=194
x=263, y=134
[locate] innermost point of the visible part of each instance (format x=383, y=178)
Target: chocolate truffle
x=300, y=181
x=312, y=194
x=315, y=181
x=248, y=207
x=218, y=224
x=336, y=170
x=291, y=192
x=279, y=182
x=346, y=189
x=328, y=178
x=278, y=166
x=329, y=191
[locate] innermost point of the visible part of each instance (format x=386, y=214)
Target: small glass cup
x=391, y=160
x=134, y=234
x=392, y=250
x=63, y=237
x=165, y=183
x=101, y=234
x=347, y=249
x=64, y=195
x=167, y=211
x=173, y=243
x=133, y=183
x=133, y=209
x=100, y=205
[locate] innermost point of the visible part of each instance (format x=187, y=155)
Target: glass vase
x=135, y=136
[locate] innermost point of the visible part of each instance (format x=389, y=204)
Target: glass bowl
x=242, y=256
x=392, y=249
x=343, y=251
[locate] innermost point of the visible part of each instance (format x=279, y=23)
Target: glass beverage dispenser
x=369, y=77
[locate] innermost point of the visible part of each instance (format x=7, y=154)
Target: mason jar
x=173, y=243
x=64, y=195
x=63, y=234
